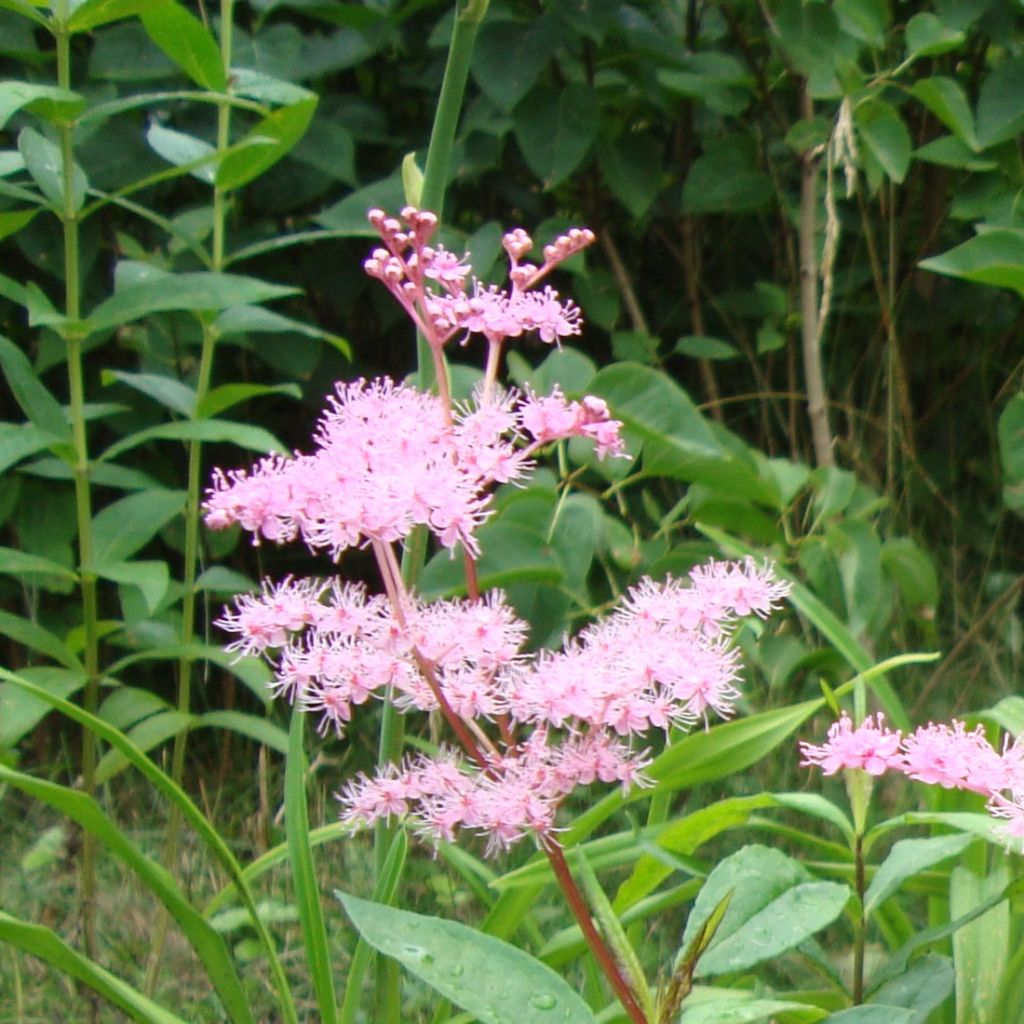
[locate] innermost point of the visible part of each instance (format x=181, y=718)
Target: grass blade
x=307, y=894
x=190, y=813
x=42, y=943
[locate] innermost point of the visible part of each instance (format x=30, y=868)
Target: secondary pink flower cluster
x=387, y=459
x=661, y=658
x=938, y=754
x=409, y=265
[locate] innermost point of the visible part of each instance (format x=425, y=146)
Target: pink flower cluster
x=946, y=755
x=387, y=459
x=662, y=658
x=408, y=264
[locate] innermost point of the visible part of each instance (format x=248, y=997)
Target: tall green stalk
x=194, y=490
x=468, y=16
x=69, y=217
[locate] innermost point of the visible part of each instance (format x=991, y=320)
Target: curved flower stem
x=603, y=955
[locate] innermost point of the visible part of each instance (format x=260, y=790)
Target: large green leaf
x=259, y=320
x=775, y=906
x=946, y=99
x=1000, y=117
x=265, y=144
x=200, y=291
x=993, y=257
x=20, y=712
x=46, y=101
x=181, y=149
x=45, y=163
x=555, y=128
x=37, y=638
x=677, y=440
x=906, y=859
x=509, y=56
x=734, y=1006
x=885, y=135
x=184, y=38
x=980, y=949
x=42, y=409
x=122, y=528
x=93, y=13
x=490, y=979
x=244, y=435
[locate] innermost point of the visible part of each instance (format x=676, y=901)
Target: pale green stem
x=192, y=523
x=83, y=496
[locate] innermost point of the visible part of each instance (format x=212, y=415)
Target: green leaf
x=906, y=859
x=303, y=873
x=45, y=163
x=949, y=151
x=718, y=1006
x=914, y=573
x=632, y=167
x=146, y=735
x=699, y=347
x=190, y=813
x=945, y=98
x=256, y=728
x=198, y=291
x=1011, y=449
x=725, y=181
x=775, y=906
x=19, y=440
x=980, y=949
x=994, y=257
x=925, y=985
x=20, y=712
x=26, y=10
x=258, y=320
x=42, y=409
x=12, y=221
x=1008, y=713
x=127, y=525
x=1000, y=117
x=227, y=395
x=151, y=577
x=555, y=129
x=35, y=637
x=678, y=441
x=486, y=977
x=872, y=1015
x=719, y=80
x=208, y=945
x=928, y=36
x=168, y=391
x=509, y=56
x=42, y=943
x=265, y=144
x=254, y=439
x=93, y=13
x=180, y=149
x=885, y=136
x=20, y=563
x=184, y=39
x=59, y=106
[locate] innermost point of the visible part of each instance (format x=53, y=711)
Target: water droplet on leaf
x=543, y=1001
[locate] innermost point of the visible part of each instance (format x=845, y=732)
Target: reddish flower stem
x=603, y=955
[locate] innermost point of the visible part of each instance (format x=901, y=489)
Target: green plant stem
x=860, y=928
x=191, y=555
x=83, y=495
x=598, y=947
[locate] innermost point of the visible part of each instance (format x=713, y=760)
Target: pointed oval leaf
x=994, y=257
x=179, y=149
x=906, y=859
x=92, y=13
x=494, y=981
x=265, y=144
x=46, y=101
x=185, y=39
x=198, y=291
x=555, y=128
x=122, y=528
x=45, y=163
x=35, y=400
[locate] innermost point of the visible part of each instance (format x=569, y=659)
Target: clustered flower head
x=543, y=723
x=950, y=756
x=436, y=289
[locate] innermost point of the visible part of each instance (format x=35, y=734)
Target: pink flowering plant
x=610, y=706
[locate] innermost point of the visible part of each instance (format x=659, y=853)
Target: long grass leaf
x=42, y=943
x=173, y=792
x=307, y=894
x=209, y=946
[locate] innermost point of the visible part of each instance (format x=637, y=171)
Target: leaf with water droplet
x=481, y=974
